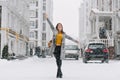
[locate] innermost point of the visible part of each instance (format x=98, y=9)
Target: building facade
x=105, y=11
x=40, y=32
x=97, y=14
x=14, y=26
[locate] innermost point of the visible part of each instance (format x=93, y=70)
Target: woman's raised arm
x=50, y=23
x=70, y=38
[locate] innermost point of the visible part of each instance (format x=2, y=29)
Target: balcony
x=101, y=19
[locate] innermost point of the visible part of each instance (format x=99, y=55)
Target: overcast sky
x=67, y=13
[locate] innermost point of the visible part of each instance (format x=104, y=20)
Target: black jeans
x=57, y=54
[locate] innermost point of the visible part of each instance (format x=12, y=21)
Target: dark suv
x=96, y=51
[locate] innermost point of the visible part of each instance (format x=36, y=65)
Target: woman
x=58, y=44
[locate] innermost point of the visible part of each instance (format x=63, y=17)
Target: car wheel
x=84, y=60
x=107, y=61
x=102, y=61
x=77, y=58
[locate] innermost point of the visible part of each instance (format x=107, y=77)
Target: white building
x=14, y=27
x=95, y=14
x=40, y=32
x=101, y=10
x=82, y=30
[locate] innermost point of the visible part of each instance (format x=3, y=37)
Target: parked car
x=96, y=51
x=72, y=51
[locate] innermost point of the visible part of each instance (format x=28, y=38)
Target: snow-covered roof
x=98, y=11
x=95, y=12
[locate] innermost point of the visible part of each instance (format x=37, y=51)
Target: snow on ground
x=45, y=69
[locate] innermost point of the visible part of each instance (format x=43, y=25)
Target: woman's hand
x=46, y=16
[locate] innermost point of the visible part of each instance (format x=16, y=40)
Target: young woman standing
x=58, y=44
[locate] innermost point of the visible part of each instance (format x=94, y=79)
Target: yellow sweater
x=59, y=38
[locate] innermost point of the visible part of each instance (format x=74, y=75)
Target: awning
x=101, y=14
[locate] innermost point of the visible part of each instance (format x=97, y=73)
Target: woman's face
x=60, y=28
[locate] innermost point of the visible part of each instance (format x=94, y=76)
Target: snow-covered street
x=45, y=69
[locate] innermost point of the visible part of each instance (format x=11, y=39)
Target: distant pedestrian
x=58, y=44
x=102, y=33
x=31, y=52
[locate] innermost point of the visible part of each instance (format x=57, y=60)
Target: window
x=31, y=34
x=44, y=3
x=36, y=13
x=71, y=47
x=87, y=23
x=44, y=27
x=96, y=46
x=87, y=4
x=119, y=4
x=12, y=45
x=110, y=25
x=36, y=3
x=32, y=45
x=44, y=7
x=43, y=43
x=44, y=0
x=21, y=31
x=36, y=23
x=32, y=13
x=43, y=36
x=43, y=17
x=32, y=24
x=97, y=2
x=36, y=34
x=116, y=4
x=103, y=5
x=110, y=5
x=36, y=43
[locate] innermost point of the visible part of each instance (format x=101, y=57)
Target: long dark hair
x=57, y=27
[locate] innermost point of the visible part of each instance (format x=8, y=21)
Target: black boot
x=59, y=74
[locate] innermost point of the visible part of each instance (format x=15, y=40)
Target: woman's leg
x=59, y=64
x=58, y=61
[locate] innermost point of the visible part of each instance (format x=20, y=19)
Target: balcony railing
x=17, y=35
x=107, y=42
